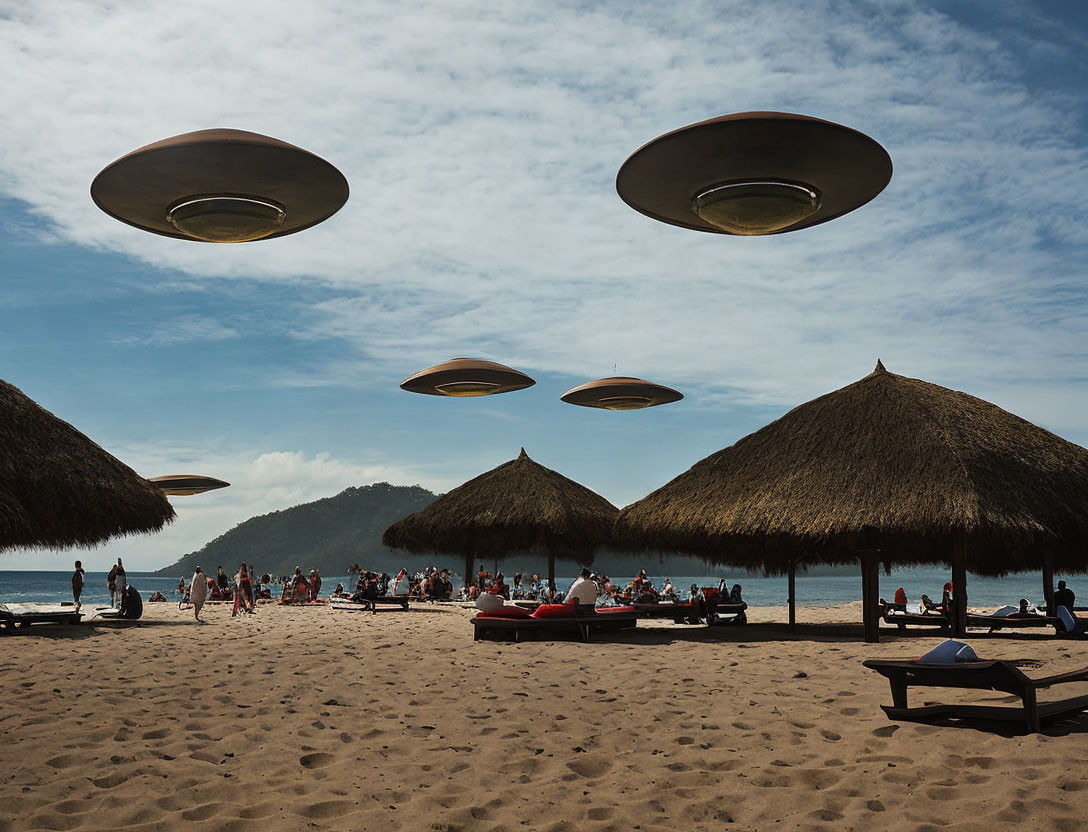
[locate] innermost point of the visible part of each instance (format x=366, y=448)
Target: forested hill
x=330, y=534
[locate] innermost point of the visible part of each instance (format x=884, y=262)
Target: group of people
x=430, y=584
x=300, y=588
x=203, y=588
x=589, y=588
x=1063, y=597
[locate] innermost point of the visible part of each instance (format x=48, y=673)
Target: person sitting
x=900, y=602
x=501, y=587
x=928, y=605
x=1063, y=597
x=583, y=592
x=1025, y=611
x=734, y=595
x=339, y=591
x=157, y=596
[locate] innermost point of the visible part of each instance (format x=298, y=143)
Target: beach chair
x=981, y=675
x=584, y=625
x=20, y=616
x=912, y=616
x=1012, y=622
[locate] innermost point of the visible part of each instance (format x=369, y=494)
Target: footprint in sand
x=157, y=734
x=201, y=812
x=318, y=759
x=590, y=766
x=65, y=761
x=327, y=809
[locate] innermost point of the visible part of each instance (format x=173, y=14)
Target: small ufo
x=184, y=485
x=464, y=377
x=220, y=186
x=621, y=393
x=750, y=174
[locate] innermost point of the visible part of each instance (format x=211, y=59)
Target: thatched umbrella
x=519, y=506
x=59, y=489
x=889, y=469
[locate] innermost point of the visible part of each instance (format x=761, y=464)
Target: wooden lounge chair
x=396, y=600
x=982, y=675
x=583, y=625
x=1012, y=622
x=679, y=611
x=903, y=619
x=20, y=616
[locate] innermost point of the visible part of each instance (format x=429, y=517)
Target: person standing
x=198, y=592
x=121, y=584
x=315, y=584
x=111, y=584
x=77, y=583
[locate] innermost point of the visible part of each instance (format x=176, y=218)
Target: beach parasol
x=220, y=186
x=621, y=393
x=60, y=489
x=184, y=485
x=889, y=469
x=517, y=507
x=754, y=173
x=467, y=377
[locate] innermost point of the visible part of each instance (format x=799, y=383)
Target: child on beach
x=77, y=582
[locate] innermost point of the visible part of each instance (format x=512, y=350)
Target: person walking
x=198, y=592
x=77, y=583
x=111, y=584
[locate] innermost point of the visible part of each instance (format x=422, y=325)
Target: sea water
x=812, y=590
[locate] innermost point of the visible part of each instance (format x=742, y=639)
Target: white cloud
x=183, y=330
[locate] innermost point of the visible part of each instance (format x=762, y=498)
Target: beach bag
x=949, y=652
x=1069, y=621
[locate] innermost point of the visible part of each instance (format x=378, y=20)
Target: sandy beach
x=307, y=718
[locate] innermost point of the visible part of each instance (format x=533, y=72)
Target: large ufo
x=220, y=186
x=754, y=173
x=464, y=377
x=621, y=393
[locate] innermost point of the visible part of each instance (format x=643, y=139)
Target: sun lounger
x=913, y=617
x=680, y=612
x=19, y=616
x=1011, y=622
x=583, y=625
x=392, y=600
x=983, y=675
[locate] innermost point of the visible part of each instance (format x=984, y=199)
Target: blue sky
x=481, y=145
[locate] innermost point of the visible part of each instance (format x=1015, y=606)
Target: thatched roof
x=519, y=506
x=60, y=489
x=889, y=462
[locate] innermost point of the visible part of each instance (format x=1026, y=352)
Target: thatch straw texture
x=888, y=462
x=60, y=489
x=519, y=506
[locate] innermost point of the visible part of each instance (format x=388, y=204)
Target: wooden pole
x=793, y=595
x=959, y=585
x=1048, y=583
x=551, y=570
x=870, y=593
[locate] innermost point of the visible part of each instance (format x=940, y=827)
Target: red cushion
x=608, y=610
x=508, y=611
x=710, y=592
x=554, y=610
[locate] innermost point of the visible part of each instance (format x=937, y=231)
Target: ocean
x=812, y=590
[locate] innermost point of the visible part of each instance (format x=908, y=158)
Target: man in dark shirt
x=221, y=579
x=1064, y=597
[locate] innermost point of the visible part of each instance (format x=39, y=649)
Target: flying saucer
x=754, y=173
x=220, y=186
x=621, y=393
x=183, y=485
x=465, y=377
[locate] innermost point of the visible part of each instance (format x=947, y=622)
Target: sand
x=300, y=719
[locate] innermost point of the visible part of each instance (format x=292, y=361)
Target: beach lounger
x=1012, y=622
x=583, y=625
x=680, y=612
x=19, y=616
x=912, y=616
x=982, y=675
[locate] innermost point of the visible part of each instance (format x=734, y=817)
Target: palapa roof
x=890, y=462
x=519, y=506
x=60, y=489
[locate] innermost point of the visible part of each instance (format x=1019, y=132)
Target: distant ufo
x=220, y=186
x=621, y=393
x=754, y=173
x=463, y=377
x=183, y=485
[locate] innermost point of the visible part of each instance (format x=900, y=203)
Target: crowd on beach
x=589, y=588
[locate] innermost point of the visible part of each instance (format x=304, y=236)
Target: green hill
x=330, y=534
